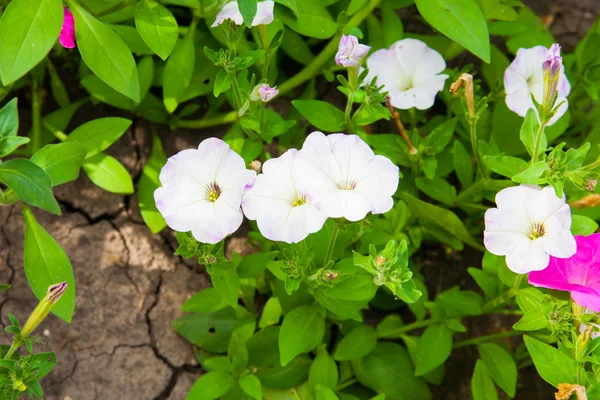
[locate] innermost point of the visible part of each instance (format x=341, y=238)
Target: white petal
x=431, y=64
x=503, y=243
x=264, y=13
x=561, y=244
x=347, y=204
x=382, y=63
x=294, y=226
x=527, y=256
x=222, y=221
x=544, y=204
x=229, y=11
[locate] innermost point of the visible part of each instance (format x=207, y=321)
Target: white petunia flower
x=411, y=73
x=264, y=14
x=530, y=225
x=283, y=210
x=202, y=190
x=344, y=177
x=525, y=77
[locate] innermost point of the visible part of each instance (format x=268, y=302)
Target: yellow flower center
x=299, y=201
x=537, y=231
x=213, y=192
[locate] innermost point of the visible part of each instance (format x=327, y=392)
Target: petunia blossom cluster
x=205, y=191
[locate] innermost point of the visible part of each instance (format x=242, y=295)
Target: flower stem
x=475, y=146
x=36, y=117
x=334, y=234
x=13, y=347
x=327, y=53
x=208, y=122
x=400, y=126
x=486, y=338
x=512, y=292
x=348, y=113
x=538, y=142
x=344, y=385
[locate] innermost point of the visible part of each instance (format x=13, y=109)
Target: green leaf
x=301, y=331
x=460, y=20
x=178, y=72
x=97, y=135
x=438, y=189
x=46, y=264
x=582, y=225
x=482, y=385
x=251, y=385
x=445, y=219
x=108, y=173
x=9, y=119
x=554, y=366
x=47, y=362
x=210, y=331
x=529, y=131
x=532, y=321
x=388, y=369
x=255, y=264
x=344, y=309
x=204, y=302
x=132, y=39
x=359, y=342
x=439, y=138
x=227, y=284
x=11, y=143
x=211, y=386
x=248, y=10
x=105, y=53
x=501, y=365
x=355, y=5
x=31, y=183
x=149, y=182
x=60, y=161
x=506, y=165
x=434, y=348
x=321, y=114
x=312, y=19
x=291, y=4
x=393, y=29
x=157, y=27
x=271, y=313
x=223, y=82
x=29, y=29
x=323, y=371
x=463, y=164
x=294, y=46
x=325, y=393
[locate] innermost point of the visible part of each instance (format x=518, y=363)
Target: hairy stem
x=475, y=146
x=486, y=338
x=36, y=117
x=538, y=143
x=334, y=234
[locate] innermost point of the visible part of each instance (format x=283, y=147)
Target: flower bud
x=552, y=66
x=264, y=92
x=67, y=32
x=43, y=308
x=590, y=184
x=350, y=52
x=380, y=260
x=331, y=275
x=255, y=166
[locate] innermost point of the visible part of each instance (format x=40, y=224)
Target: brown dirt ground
x=130, y=286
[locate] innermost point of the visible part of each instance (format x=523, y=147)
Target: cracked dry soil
x=130, y=287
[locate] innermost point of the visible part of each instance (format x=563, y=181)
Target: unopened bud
x=552, y=66
x=331, y=275
x=43, y=308
x=263, y=92
x=380, y=260
x=211, y=259
x=350, y=53
x=590, y=184
x=255, y=166
x=466, y=81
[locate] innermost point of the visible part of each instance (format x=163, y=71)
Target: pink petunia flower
x=67, y=33
x=579, y=274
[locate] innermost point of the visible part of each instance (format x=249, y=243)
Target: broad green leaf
x=506, y=165
x=460, y=20
x=355, y=5
x=435, y=376
x=157, y=27
x=533, y=320
x=434, y=348
x=133, y=40
x=210, y=331
x=248, y=10
x=11, y=143
x=97, y=135
x=393, y=29
x=301, y=331
x=460, y=303
x=149, y=182
x=529, y=299
x=359, y=342
x=463, y=164
x=445, y=219
x=529, y=133
x=204, y=302
x=178, y=72
x=9, y=119
x=29, y=29
x=344, y=309
x=388, y=369
x=501, y=365
x=439, y=138
x=554, y=366
x=255, y=264
x=533, y=173
x=312, y=19
x=325, y=393
x=438, y=189
x=390, y=327
x=60, y=161
x=482, y=385
x=211, y=386
x=47, y=362
x=582, y=225
x=227, y=284
x=108, y=173
x=271, y=313
x=251, y=385
x=30, y=182
x=321, y=114
x=105, y=53
x=323, y=371
x=46, y=264
x=294, y=46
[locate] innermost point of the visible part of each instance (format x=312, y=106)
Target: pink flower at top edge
x=67, y=33
x=579, y=274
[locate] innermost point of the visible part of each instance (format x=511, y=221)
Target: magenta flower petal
x=579, y=274
x=67, y=33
